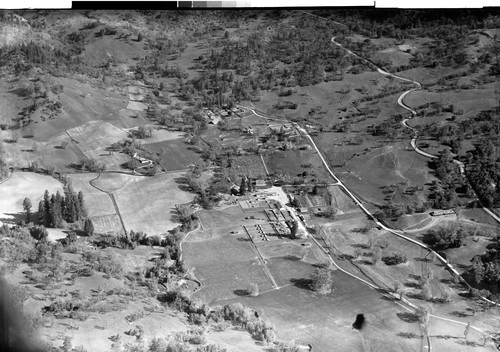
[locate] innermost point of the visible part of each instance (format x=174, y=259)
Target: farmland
x=148, y=204
x=251, y=178
x=174, y=154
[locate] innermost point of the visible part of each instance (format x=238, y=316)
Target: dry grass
x=98, y=203
x=148, y=204
x=21, y=185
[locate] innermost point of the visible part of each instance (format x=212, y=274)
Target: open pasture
x=287, y=269
x=224, y=264
x=229, y=217
x=47, y=154
x=391, y=165
x=356, y=245
x=341, y=201
x=470, y=101
x=122, y=50
x=81, y=103
x=330, y=96
x=294, y=162
x=20, y=185
x=148, y=204
x=324, y=321
x=174, y=154
x=161, y=134
x=111, y=182
x=95, y=136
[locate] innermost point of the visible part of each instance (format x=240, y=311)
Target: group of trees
x=446, y=237
x=483, y=172
x=321, y=280
x=444, y=194
x=4, y=169
x=485, y=272
x=235, y=313
x=55, y=210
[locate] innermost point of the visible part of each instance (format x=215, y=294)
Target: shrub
x=395, y=259
x=321, y=280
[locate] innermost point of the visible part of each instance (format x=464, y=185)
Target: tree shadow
x=302, y=283
x=292, y=257
x=414, y=295
x=244, y=239
x=460, y=314
x=360, y=245
x=412, y=284
x=408, y=317
x=241, y=292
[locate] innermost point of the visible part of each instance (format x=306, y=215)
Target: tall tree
x=27, y=208
x=47, y=220
x=243, y=186
x=88, y=227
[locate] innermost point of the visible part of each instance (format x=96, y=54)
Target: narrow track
x=112, y=197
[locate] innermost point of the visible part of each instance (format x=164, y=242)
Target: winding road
x=400, y=234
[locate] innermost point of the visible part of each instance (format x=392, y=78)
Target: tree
x=88, y=227
x=15, y=136
x=321, y=280
x=67, y=344
x=249, y=185
x=377, y=255
x=426, y=291
x=27, y=208
x=243, y=186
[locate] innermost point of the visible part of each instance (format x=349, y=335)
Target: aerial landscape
x=277, y=180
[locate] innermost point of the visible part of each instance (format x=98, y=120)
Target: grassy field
x=369, y=173
x=292, y=163
x=94, y=137
x=98, y=203
x=470, y=100
x=161, y=134
x=228, y=217
x=148, y=204
x=341, y=201
x=48, y=154
x=174, y=154
x=329, y=96
x=111, y=182
x=21, y=185
x=225, y=264
x=82, y=103
x=300, y=314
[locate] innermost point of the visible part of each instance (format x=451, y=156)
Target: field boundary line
x=111, y=196
x=8, y=176
x=263, y=163
x=262, y=261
